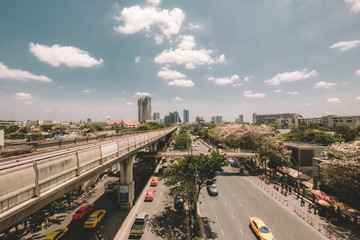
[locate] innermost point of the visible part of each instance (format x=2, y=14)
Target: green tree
x=346, y=132
x=6, y=130
x=191, y=174
x=182, y=141
x=98, y=128
x=13, y=128
x=47, y=127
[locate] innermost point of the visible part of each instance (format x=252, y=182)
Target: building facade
x=144, y=109
x=156, y=116
x=186, y=116
x=281, y=120
x=217, y=119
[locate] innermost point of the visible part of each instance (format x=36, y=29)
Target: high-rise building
x=172, y=118
x=144, y=109
x=240, y=119
x=217, y=119
x=156, y=116
x=186, y=116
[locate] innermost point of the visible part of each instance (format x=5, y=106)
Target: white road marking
x=233, y=216
x=240, y=204
x=222, y=232
x=211, y=205
x=216, y=217
x=242, y=232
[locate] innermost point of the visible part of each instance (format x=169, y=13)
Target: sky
x=72, y=60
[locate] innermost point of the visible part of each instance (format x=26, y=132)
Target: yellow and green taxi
x=57, y=234
x=94, y=219
x=260, y=229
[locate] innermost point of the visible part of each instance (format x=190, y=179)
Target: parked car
x=83, y=211
x=260, y=229
x=233, y=163
x=110, y=186
x=94, y=219
x=179, y=202
x=57, y=234
x=150, y=194
x=212, y=190
x=154, y=181
x=139, y=224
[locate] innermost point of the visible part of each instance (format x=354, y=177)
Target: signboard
x=124, y=193
x=1, y=138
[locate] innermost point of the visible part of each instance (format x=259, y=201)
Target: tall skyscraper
x=186, y=116
x=241, y=118
x=156, y=116
x=144, y=109
x=217, y=119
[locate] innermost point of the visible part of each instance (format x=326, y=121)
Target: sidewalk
x=291, y=201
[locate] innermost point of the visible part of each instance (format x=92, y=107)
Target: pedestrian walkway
x=292, y=201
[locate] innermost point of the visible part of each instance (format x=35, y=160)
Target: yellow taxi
x=94, y=219
x=57, y=234
x=260, y=229
x=154, y=181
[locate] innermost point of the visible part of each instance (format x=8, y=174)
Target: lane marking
x=240, y=204
x=222, y=232
x=242, y=232
x=216, y=217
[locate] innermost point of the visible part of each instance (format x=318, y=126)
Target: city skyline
x=95, y=60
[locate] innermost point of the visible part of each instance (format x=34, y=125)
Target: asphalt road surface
x=226, y=216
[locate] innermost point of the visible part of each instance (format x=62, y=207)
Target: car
x=165, y=165
x=179, y=202
x=154, y=181
x=83, y=211
x=150, y=194
x=233, y=163
x=196, y=149
x=212, y=190
x=57, y=234
x=260, y=229
x=94, y=219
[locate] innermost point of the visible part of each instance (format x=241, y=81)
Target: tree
x=182, y=141
x=13, y=128
x=342, y=169
x=346, y=132
x=47, y=127
x=191, y=174
x=6, y=130
x=59, y=129
x=86, y=129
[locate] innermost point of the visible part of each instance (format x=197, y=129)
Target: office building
x=186, y=116
x=156, y=116
x=240, y=119
x=281, y=120
x=144, y=109
x=216, y=119
x=172, y=118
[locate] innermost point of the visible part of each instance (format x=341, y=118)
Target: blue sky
x=93, y=59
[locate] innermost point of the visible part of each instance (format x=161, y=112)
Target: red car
x=83, y=211
x=150, y=194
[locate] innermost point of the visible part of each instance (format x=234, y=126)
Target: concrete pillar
x=153, y=147
x=127, y=184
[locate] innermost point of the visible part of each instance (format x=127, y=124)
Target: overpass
x=179, y=154
x=30, y=183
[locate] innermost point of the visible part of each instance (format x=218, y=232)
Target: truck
x=139, y=224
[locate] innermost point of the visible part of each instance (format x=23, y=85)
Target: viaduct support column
x=153, y=147
x=127, y=184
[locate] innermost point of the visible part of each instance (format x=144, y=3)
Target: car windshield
x=91, y=219
x=79, y=211
x=264, y=229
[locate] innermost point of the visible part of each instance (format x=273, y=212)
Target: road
x=164, y=221
x=227, y=215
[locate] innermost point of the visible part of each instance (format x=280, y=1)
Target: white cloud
x=357, y=98
x=247, y=78
x=137, y=59
x=237, y=84
x=23, y=96
x=308, y=104
x=357, y=72
x=291, y=76
x=142, y=94
x=181, y=83
x=355, y=5
x=177, y=99
x=224, y=80
x=278, y=91
x=344, y=46
x=154, y=2
x=186, y=55
x=86, y=91
x=324, y=84
x=67, y=55
x=293, y=93
x=333, y=100
x=194, y=26
x=20, y=75
x=250, y=94
x=158, y=39
x=136, y=19
x=166, y=73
